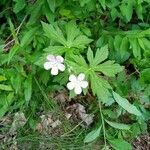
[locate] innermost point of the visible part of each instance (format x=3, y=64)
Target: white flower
x=77, y=83
x=55, y=63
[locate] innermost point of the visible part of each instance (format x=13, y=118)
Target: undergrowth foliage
x=99, y=48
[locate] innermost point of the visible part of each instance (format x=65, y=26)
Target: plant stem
x=103, y=124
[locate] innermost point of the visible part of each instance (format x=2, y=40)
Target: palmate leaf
x=100, y=86
x=77, y=64
x=101, y=55
x=81, y=41
x=54, y=33
x=72, y=32
x=109, y=68
x=90, y=56
x=75, y=38
x=80, y=60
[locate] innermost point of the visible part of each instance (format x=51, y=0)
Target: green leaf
x=120, y=144
x=139, y=11
x=101, y=41
x=72, y=32
x=5, y=102
x=12, y=52
x=81, y=42
x=13, y=31
x=90, y=56
x=77, y=64
x=65, y=12
x=109, y=68
x=5, y=87
x=16, y=82
x=116, y=125
x=146, y=43
x=117, y=42
x=79, y=60
x=100, y=87
x=19, y=5
x=127, y=10
x=28, y=89
x=52, y=5
x=114, y=13
x=48, y=12
x=124, y=103
x=145, y=76
x=75, y=38
x=35, y=12
x=2, y=78
x=28, y=37
x=83, y=2
x=54, y=33
x=136, y=48
x=92, y=135
x=101, y=55
x=140, y=41
x=124, y=47
x=59, y=50
x=102, y=2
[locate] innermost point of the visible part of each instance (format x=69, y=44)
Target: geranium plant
x=74, y=74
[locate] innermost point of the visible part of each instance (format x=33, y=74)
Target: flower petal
x=81, y=76
x=61, y=67
x=54, y=71
x=59, y=59
x=47, y=65
x=77, y=89
x=50, y=57
x=72, y=78
x=70, y=85
x=84, y=84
